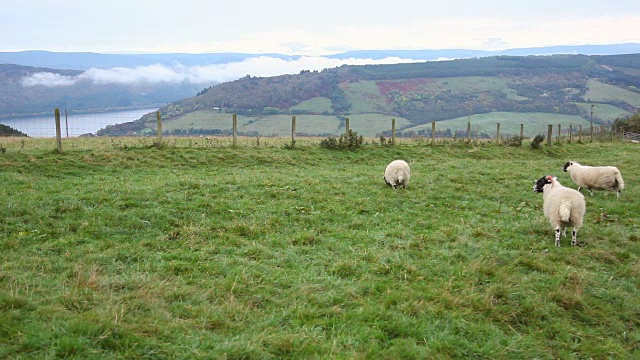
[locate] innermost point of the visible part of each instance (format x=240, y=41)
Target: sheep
x=397, y=174
x=595, y=177
x=563, y=207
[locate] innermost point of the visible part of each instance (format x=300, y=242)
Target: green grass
x=478, y=84
x=604, y=92
x=604, y=111
x=318, y=104
x=280, y=125
x=203, y=119
x=369, y=125
x=365, y=97
x=192, y=251
x=534, y=123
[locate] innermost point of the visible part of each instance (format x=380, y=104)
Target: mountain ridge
x=87, y=60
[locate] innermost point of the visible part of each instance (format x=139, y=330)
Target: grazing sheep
x=397, y=174
x=563, y=206
x=595, y=177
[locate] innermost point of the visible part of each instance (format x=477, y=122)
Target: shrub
x=515, y=141
x=535, y=144
x=354, y=141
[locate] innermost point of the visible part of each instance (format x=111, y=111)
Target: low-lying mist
x=259, y=66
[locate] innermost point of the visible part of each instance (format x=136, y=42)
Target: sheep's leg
x=590, y=192
x=558, y=235
x=574, y=237
x=564, y=231
x=579, y=187
x=617, y=194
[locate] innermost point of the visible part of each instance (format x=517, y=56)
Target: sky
x=310, y=28
x=306, y=28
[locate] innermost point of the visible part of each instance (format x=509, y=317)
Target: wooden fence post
x=498, y=133
x=621, y=133
x=549, y=134
x=559, y=132
x=58, y=131
x=293, y=131
x=346, y=126
x=612, y=132
x=66, y=121
x=580, y=133
x=570, y=134
x=468, y=131
x=159, y=128
x=393, y=131
x=235, y=129
x=433, y=133
x=521, y=131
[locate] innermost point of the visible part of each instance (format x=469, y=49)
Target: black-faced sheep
x=595, y=177
x=397, y=174
x=563, y=207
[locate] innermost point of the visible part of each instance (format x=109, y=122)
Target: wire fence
x=71, y=124
x=81, y=125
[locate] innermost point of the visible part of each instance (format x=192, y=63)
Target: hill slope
x=432, y=91
x=18, y=98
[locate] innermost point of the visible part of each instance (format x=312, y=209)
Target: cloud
x=48, y=79
x=261, y=66
x=495, y=43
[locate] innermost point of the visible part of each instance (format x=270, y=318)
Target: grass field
x=318, y=104
x=203, y=119
x=280, y=125
x=604, y=92
x=370, y=125
x=188, y=251
x=365, y=97
x=478, y=84
x=604, y=111
x=534, y=123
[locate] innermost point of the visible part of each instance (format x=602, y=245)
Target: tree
x=630, y=123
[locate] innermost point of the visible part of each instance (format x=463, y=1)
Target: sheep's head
x=567, y=164
x=385, y=180
x=542, y=182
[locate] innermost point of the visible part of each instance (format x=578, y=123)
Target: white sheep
x=595, y=177
x=563, y=206
x=397, y=174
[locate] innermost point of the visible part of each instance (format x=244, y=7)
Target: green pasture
x=371, y=125
x=534, y=123
x=477, y=84
x=365, y=97
x=318, y=104
x=199, y=250
x=605, y=112
x=599, y=91
x=202, y=119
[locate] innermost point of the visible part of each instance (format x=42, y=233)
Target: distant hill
x=16, y=99
x=418, y=93
x=87, y=60
x=9, y=131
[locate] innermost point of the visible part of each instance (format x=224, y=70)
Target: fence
x=72, y=124
x=631, y=136
x=61, y=129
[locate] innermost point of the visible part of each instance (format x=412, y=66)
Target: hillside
x=18, y=99
x=568, y=85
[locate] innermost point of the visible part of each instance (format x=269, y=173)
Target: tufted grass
x=250, y=253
